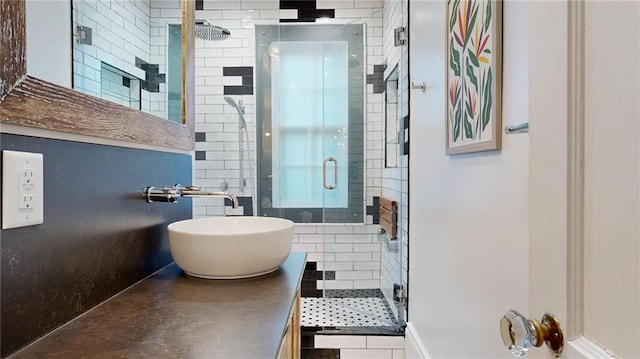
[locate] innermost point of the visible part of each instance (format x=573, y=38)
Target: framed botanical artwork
x=474, y=75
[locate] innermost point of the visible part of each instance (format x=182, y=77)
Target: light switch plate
x=22, y=189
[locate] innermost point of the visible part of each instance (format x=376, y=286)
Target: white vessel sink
x=230, y=247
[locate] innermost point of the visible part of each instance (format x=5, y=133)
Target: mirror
x=392, y=120
x=28, y=101
x=129, y=52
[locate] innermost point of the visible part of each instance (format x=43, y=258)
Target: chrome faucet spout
x=172, y=193
x=198, y=193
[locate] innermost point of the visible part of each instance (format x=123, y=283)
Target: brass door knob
x=519, y=334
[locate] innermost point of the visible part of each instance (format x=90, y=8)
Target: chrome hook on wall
x=422, y=86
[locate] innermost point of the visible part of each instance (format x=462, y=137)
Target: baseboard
x=414, y=349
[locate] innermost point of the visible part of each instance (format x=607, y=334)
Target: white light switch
x=22, y=189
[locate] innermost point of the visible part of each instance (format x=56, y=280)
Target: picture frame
x=474, y=76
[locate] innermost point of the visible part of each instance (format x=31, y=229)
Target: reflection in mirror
x=130, y=53
x=392, y=120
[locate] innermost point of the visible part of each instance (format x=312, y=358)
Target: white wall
x=49, y=40
x=469, y=259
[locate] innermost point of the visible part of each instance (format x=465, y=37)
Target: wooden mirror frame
x=31, y=102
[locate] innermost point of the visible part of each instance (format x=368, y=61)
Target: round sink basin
x=230, y=247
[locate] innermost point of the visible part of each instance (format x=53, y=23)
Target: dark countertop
x=171, y=315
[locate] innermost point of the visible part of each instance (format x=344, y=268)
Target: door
x=584, y=190
x=581, y=220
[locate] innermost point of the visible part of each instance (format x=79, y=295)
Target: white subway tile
x=335, y=284
x=304, y=247
x=353, y=275
x=366, y=354
x=340, y=341
x=385, y=342
x=366, y=284
x=355, y=257
x=333, y=247
x=311, y=238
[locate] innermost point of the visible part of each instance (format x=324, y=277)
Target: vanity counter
x=171, y=315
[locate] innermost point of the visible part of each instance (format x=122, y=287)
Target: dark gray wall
x=99, y=236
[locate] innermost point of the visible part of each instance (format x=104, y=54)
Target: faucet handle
x=164, y=194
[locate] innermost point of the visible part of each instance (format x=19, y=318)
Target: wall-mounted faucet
x=173, y=193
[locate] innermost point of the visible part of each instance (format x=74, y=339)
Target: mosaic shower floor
x=346, y=310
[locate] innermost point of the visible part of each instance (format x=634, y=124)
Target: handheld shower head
x=239, y=108
x=231, y=102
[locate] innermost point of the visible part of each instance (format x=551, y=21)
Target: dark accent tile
x=374, y=210
x=330, y=275
x=152, y=76
x=377, y=78
x=308, y=284
x=150, y=68
x=237, y=71
x=201, y=137
x=391, y=331
x=156, y=78
x=126, y=82
x=405, y=136
x=310, y=293
x=201, y=155
x=311, y=266
x=307, y=10
x=328, y=13
x=150, y=87
x=199, y=4
x=238, y=90
x=307, y=340
x=298, y=4
x=320, y=353
x=247, y=81
x=354, y=293
x=140, y=62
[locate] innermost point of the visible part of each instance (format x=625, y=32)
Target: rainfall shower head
x=239, y=108
x=206, y=31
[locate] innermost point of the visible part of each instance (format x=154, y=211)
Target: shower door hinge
x=399, y=294
x=400, y=36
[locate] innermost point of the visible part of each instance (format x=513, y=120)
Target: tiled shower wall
x=226, y=68
x=121, y=32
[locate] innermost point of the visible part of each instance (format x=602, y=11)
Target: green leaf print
x=472, y=75
x=487, y=19
x=452, y=18
x=457, y=119
x=454, y=59
x=473, y=58
x=488, y=101
x=471, y=24
x=468, y=130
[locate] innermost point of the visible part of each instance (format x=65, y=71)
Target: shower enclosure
x=310, y=118
x=308, y=144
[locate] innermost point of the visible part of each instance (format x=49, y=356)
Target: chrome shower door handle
x=324, y=173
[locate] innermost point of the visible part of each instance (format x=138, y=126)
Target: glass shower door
x=353, y=296
x=308, y=141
